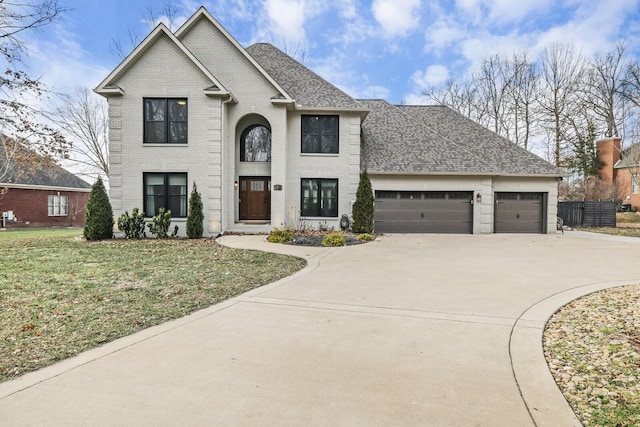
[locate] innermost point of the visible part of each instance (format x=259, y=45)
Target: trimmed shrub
x=365, y=237
x=335, y=238
x=159, y=225
x=363, y=208
x=284, y=235
x=132, y=225
x=98, y=223
x=195, y=217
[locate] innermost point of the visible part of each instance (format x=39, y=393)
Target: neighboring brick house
x=45, y=195
x=271, y=144
x=621, y=167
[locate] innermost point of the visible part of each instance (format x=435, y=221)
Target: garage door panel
x=518, y=213
x=423, y=213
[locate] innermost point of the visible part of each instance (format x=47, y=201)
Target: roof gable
x=109, y=85
x=202, y=14
x=436, y=139
x=309, y=90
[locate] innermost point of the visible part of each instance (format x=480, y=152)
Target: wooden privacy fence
x=588, y=214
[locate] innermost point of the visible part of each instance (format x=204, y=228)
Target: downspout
x=223, y=131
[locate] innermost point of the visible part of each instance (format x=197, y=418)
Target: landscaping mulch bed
x=314, y=238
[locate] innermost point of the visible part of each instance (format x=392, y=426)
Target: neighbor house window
x=165, y=190
x=319, y=197
x=58, y=205
x=634, y=184
x=320, y=134
x=255, y=144
x=165, y=121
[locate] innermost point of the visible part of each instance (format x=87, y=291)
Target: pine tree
x=98, y=222
x=195, y=218
x=363, y=208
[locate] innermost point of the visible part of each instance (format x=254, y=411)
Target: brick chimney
x=608, y=151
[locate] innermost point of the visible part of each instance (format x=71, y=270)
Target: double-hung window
x=58, y=205
x=634, y=183
x=165, y=120
x=320, y=134
x=165, y=190
x=319, y=197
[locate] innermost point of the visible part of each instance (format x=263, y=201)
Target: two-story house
x=271, y=144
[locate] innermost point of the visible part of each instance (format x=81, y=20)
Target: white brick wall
x=165, y=71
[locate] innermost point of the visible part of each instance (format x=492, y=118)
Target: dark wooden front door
x=255, y=198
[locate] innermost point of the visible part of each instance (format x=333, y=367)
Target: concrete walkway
x=409, y=330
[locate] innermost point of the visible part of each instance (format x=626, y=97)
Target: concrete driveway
x=410, y=330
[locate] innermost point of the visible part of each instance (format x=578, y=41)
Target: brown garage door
x=424, y=212
x=519, y=213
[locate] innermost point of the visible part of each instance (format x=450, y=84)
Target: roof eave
x=43, y=187
x=484, y=174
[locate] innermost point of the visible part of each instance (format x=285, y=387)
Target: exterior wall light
x=235, y=185
x=478, y=198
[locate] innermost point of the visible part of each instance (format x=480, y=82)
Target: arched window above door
x=255, y=144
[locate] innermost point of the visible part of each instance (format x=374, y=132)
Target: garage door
x=424, y=212
x=519, y=212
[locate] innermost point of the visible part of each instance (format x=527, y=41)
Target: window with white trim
x=58, y=205
x=634, y=183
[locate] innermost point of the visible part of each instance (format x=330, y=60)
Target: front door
x=255, y=198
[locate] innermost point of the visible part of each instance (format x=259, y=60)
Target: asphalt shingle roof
x=307, y=88
x=46, y=173
x=437, y=139
x=629, y=157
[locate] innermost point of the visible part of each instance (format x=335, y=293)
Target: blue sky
x=390, y=49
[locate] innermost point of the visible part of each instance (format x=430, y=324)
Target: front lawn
x=61, y=295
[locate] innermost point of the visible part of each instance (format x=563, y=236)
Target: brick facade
x=30, y=208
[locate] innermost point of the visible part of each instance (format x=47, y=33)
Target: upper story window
x=320, y=134
x=255, y=144
x=58, y=205
x=165, y=120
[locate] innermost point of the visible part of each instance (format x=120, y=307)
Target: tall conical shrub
x=363, y=208
x=98, y=223
x=195, y=217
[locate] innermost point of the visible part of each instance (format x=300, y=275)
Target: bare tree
x=523, y=96
x=561, y=72
x=461, y=97
x=84, y=119
x=604, y=86
x=21, y=124
x=493, y=83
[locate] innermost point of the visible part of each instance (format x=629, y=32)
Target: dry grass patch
x=61, y=295
x=592, y=346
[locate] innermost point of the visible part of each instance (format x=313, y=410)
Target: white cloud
x=434, y=75
x=505, y=11
x=286, y=20
x=396, y=17
x=443, y=33
x=595, y=26
x=416, y=99
x=72, y=71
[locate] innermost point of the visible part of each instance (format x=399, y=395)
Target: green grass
x=61, y=295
